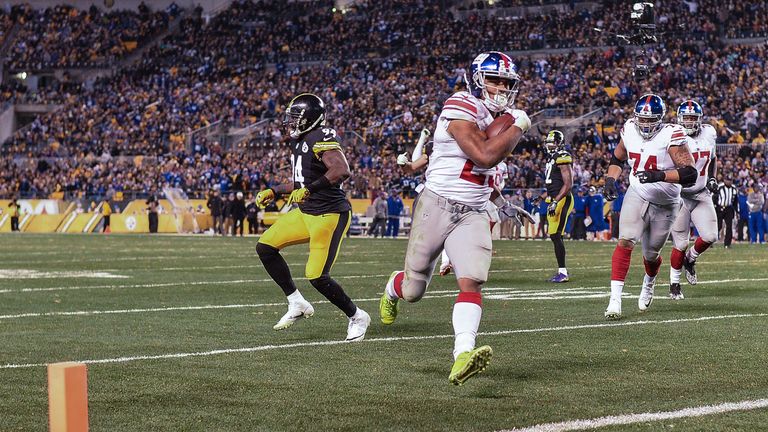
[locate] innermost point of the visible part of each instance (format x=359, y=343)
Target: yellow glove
x=297, y=196
x=265, y=197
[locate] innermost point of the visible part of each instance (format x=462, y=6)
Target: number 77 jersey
x=652, y=154
x=702, y=147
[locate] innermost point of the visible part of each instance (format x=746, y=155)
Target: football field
x=178, y=335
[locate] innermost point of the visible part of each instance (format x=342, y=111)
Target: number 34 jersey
x=307, y=166
x=450, y=173
x=653, y=154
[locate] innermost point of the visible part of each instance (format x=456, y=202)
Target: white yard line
x=238, y=281
x=626, y=419
x=508, y=294
x=387, y=339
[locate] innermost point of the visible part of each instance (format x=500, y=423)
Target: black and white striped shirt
x=727, y=196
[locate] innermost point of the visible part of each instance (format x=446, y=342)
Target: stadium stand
x=201, y=109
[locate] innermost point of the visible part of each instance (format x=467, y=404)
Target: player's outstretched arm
x=483, y=151
x=684, y=173
x=411, y=167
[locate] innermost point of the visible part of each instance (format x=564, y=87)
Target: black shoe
x=690, y=270
x=675, y=292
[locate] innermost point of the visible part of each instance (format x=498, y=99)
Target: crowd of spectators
x=134, y=132
x=64, y=36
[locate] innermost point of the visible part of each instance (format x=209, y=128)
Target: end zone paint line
x=626, y=419
x=386, y=339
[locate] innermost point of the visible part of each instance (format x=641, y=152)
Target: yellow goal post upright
x=183, y=211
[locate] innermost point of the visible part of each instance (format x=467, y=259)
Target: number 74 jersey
x=653, y=154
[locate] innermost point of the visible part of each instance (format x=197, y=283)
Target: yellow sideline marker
x=68, y=397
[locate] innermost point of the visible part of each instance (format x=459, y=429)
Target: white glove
x=521, y=119
x=511, y=211
x=402, y=159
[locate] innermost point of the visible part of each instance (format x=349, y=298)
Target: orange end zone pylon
x=68, y=397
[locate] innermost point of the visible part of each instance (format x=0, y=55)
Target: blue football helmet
x=649, y=115
x=497, y=65
x=689, y=115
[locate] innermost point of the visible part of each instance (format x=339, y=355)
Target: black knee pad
x=266, y=251
x=321, y=282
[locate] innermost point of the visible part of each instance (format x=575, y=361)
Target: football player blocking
x=321, y=219
x=698, y=206
x=452, y=210
x=660, y=162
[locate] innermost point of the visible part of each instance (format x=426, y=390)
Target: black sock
x=276, y=267
x=557, y=241
x=335, y=294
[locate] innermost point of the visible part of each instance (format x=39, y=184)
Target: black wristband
x=616, y=161
x=687, y=175
x=319, y=184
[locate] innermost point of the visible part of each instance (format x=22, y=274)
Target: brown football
x=499, y=125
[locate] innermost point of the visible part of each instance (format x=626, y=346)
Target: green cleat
x=469, y=364
x=388, y=309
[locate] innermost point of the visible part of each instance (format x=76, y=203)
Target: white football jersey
x=702, y=147
x=450, y=173
x=652, y=154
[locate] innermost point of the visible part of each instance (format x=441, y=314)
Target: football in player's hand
x=499, y=125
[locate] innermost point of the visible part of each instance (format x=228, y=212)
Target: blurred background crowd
x=195, y=101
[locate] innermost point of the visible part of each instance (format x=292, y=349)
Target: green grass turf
x=536, y=377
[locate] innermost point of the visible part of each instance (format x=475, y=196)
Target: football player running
x=452, y=211
x=559, y=182
x=660, y=162
x=499, y=209
x=321, y=219
x=697, y=200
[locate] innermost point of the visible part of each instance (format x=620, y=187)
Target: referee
x=727, y=195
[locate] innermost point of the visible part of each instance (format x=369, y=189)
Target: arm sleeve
x=329, y=141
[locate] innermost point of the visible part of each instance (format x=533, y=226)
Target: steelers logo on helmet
x=649, y=115
x=689, y=115
x=494, y=71
x=304, y=113
x=555, y=141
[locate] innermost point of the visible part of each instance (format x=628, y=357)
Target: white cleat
x=646, y=297
x=358, y=324
x=614, y=309
x=295, y=311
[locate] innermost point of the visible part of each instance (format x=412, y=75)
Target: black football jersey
x=554, y=178
x=308, y=166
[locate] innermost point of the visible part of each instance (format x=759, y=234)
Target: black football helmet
x=554, y=142
x=305, y=112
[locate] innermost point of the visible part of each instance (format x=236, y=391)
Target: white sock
x=466, y=320
x=444, y=260
x=674, y=275
x=563, y=270
x=616, y=288
x=358, y=314
x=691, y=253
x=295, y=297
x=648, y=280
